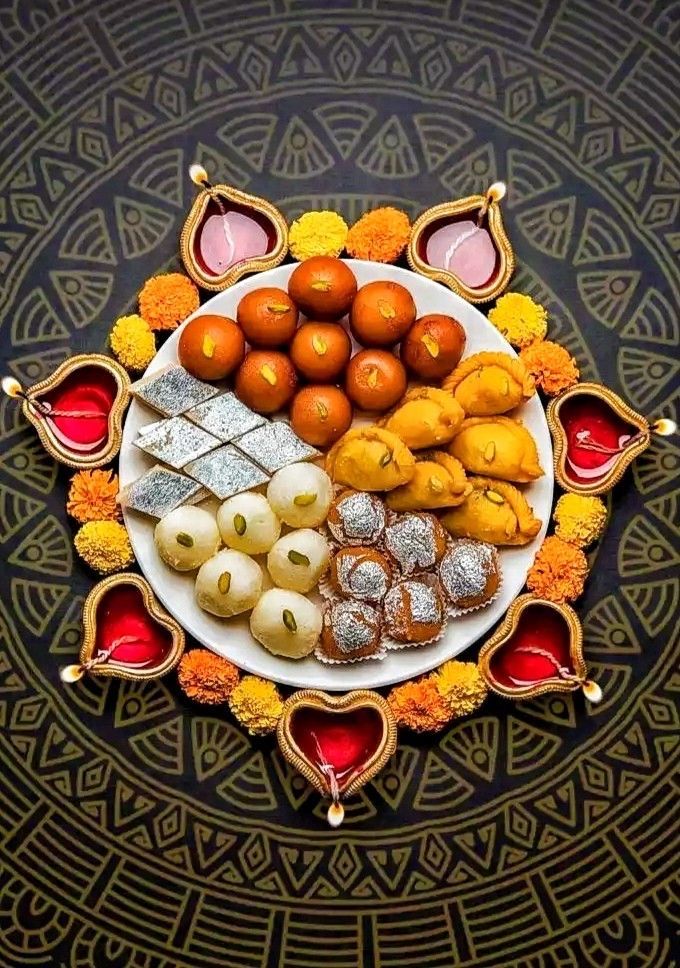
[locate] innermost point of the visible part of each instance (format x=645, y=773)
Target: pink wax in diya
x=537, y=649
x=229, y=238
x=126, y=630
x=78, y=409
x=464, y=249
x=596, y=437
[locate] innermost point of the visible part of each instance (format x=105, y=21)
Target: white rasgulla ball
x=228, y=583
x=301, y=495
x=286, y=623
x=186, y=537
x=247, y=523
x=298, y=560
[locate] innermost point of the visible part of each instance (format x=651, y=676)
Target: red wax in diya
x=125, y=627
x=518, y=662
x=345, y=740
x=80, y=408
x=596, y=437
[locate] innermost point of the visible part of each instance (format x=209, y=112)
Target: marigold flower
x=92, y=496
x=256, y=703
x=206, y=677
x=317, y=233
x=521, y=320
x=132, y=342
x=552, y=367
x=580, y=519
x=380, y=235
x=461, y=685
x=165, y=301
x=419, y=705
x=559, y=571
x=104, y=546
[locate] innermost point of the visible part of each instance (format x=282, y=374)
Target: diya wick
x=14, y=389
x=73, y=673
x=591, y=690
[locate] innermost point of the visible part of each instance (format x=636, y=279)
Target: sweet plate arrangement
x=336, y=475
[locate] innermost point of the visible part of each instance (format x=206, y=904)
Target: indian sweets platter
x=336, y=474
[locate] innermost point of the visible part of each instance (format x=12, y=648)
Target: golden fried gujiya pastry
x=439, y=481
x=497, y=447
x=370, y=459
x=496, y=512
x=490, y=383
x=426, y=417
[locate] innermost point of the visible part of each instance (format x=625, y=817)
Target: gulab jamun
x=211, y=347
x=323, y=287
x=382, y=313
x=320, y=415
x=320, y=351
x=433, y=346
x=267, y=316
x=266, y=381
x=375, y=380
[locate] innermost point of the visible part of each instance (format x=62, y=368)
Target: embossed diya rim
x=506, y=630
x=109, y=667
x=486, y=206
x=188, y=238
x=37, y=416
x=316, y=699
x=629, y=452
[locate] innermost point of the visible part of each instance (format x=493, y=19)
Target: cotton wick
x=586, y=442
x=561, y=670
x=72, y=673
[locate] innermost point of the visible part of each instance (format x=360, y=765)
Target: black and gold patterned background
x=139, y=831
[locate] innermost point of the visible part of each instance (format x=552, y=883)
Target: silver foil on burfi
x=176, y=441
x=225, y=417
x=172, y=390
x=275, y=445
x=226, y=471
x=159, y=491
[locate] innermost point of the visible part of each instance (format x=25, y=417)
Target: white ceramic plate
x=231, y=638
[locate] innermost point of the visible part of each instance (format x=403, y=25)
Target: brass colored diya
x=596, y=435
x=338, y=743
x=126, y=632
x=229, y=233
x=463, y=244
x=538, y=648
x=78, y=410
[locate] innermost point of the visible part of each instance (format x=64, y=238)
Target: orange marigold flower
x=552, y=367
x=559, y=571
x=92, y=496
x=166, y=301
x=419, y=705
x=380, y=236
x=206, y=677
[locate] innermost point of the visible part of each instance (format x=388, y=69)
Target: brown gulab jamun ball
x=267, y=316
x=433, y=346
x=323, y=287
x=382, y=313
x=320, y=414
x=211, y=347
x=375, y=380
x=266, y=381
x=320, y=351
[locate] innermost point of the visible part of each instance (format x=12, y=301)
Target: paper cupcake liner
x=393, y=646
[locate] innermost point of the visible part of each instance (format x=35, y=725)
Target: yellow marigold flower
x=380, y=236
x=92, y=496
x=317, y=233
x=580, y=519
x=419, y=705
x=206, y=677
x=552, y=367
x=104, y=546
x=559, y=571
x=165, y=301
x=132, y=342
x=462, y=686
x=256, y=703
x=521, y=320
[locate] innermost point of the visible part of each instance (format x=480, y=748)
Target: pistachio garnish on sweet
x=289, y=620
x=224, y=582
x=184, y=539
x=430, y=344
x=240, y=524
x=305, y=500
x=495, y=497
x=386, y=458
x=268, y=374
x=278, y=308
x=320, y=345
x=208, y=346
x=297, y=558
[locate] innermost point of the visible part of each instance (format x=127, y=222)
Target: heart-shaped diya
x=338, y=743
x=538, y=648
x=78, y=410
x=596, y=435
x=229, y=233
x=126, y=633
x=463, y=244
